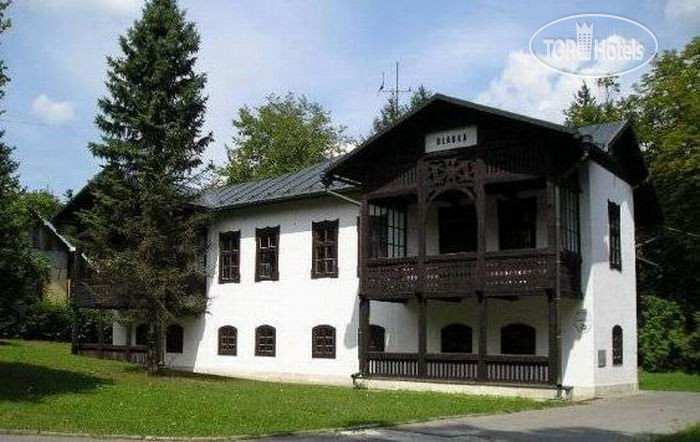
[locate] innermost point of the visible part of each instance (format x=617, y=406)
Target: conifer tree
x=146, y=238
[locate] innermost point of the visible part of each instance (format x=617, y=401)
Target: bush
x=46, y=321
x=663, y=342
x=50, y=321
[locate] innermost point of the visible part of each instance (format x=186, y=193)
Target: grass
x=673, y=381
x=690, y=434
x=46, y=388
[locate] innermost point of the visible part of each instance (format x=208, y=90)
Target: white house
x=465, y=248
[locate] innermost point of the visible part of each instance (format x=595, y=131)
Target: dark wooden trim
x=273, y=231
x=265, y=331
x=363, y=335
x=323, y=332
x=334, y=227
x=235, y=255
x=227, y=344
x=422, y=335
x=483, y=336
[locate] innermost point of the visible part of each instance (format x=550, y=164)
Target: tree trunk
x=155, y=346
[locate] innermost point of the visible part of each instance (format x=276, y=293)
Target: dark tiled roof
x=603, y=135
x=303, y=184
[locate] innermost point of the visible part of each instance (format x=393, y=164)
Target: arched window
x=265, y=341
x=228, y=341
x=142, y=334
x=376, y=338
x=617, y=345
x=518, y=339
x=174, y=338
x=323, y=342
x=456, y=338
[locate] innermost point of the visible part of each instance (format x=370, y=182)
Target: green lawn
x=691, y=434
x=43, y=387
x=674, y=381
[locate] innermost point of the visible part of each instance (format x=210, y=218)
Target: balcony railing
x=501, y=369
x=513, y=271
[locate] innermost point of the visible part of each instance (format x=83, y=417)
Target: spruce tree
x=146, y=237
x=22, y=273
x=393, y=111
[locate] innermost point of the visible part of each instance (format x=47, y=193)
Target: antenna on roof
x=395, y=91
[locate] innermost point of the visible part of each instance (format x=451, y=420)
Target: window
x=457, y=226
x=376, y=338
x=265, y=341
x=570, y=233
x=267, y=257
x=516, y=223
x=614, y=228
x=456, y=338
x=142, y=334
x=387, y=232
x=228, y=341
x=518, y=339
x=325, y=249
x=173, y=339
x=617, y=346
x=229, y=257
x=323, y=342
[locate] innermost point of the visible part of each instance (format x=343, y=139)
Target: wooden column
x=480, y=204
x=363, y=336
x=482, y=373
x=422, y=336
x=554, y=294
x=555, y=372
x=100, y=339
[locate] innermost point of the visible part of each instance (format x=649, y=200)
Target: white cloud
x=120, y=7
x=685, y=13
x=526, y=86
x=52, y=112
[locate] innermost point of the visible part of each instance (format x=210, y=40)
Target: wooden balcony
x=518, y=370
x=461, y=274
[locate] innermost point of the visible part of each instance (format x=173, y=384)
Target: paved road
x=619, y=419
x=628, y=418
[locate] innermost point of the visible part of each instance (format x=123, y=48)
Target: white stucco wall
x=609, y=294
x=400, y=322
x=296, y=303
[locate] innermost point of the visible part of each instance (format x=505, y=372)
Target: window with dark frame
x=323, y=342
x=518, y=339
x=387, y=231
x=569, y=207
x=142, y=334
x=517, y=227
x=174, y=338
x=325, y=249
x=456, y=338
x=228, y=341
x=617, y=346
x=267, y=254
x=457, y=228
x=229, y=257
x=614, y=234
x=376, y=338
x=265, y=341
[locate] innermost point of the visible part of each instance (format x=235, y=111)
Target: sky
x=332, y=51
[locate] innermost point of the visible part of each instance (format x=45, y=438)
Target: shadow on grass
x=7, y=343
x=31, y=383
